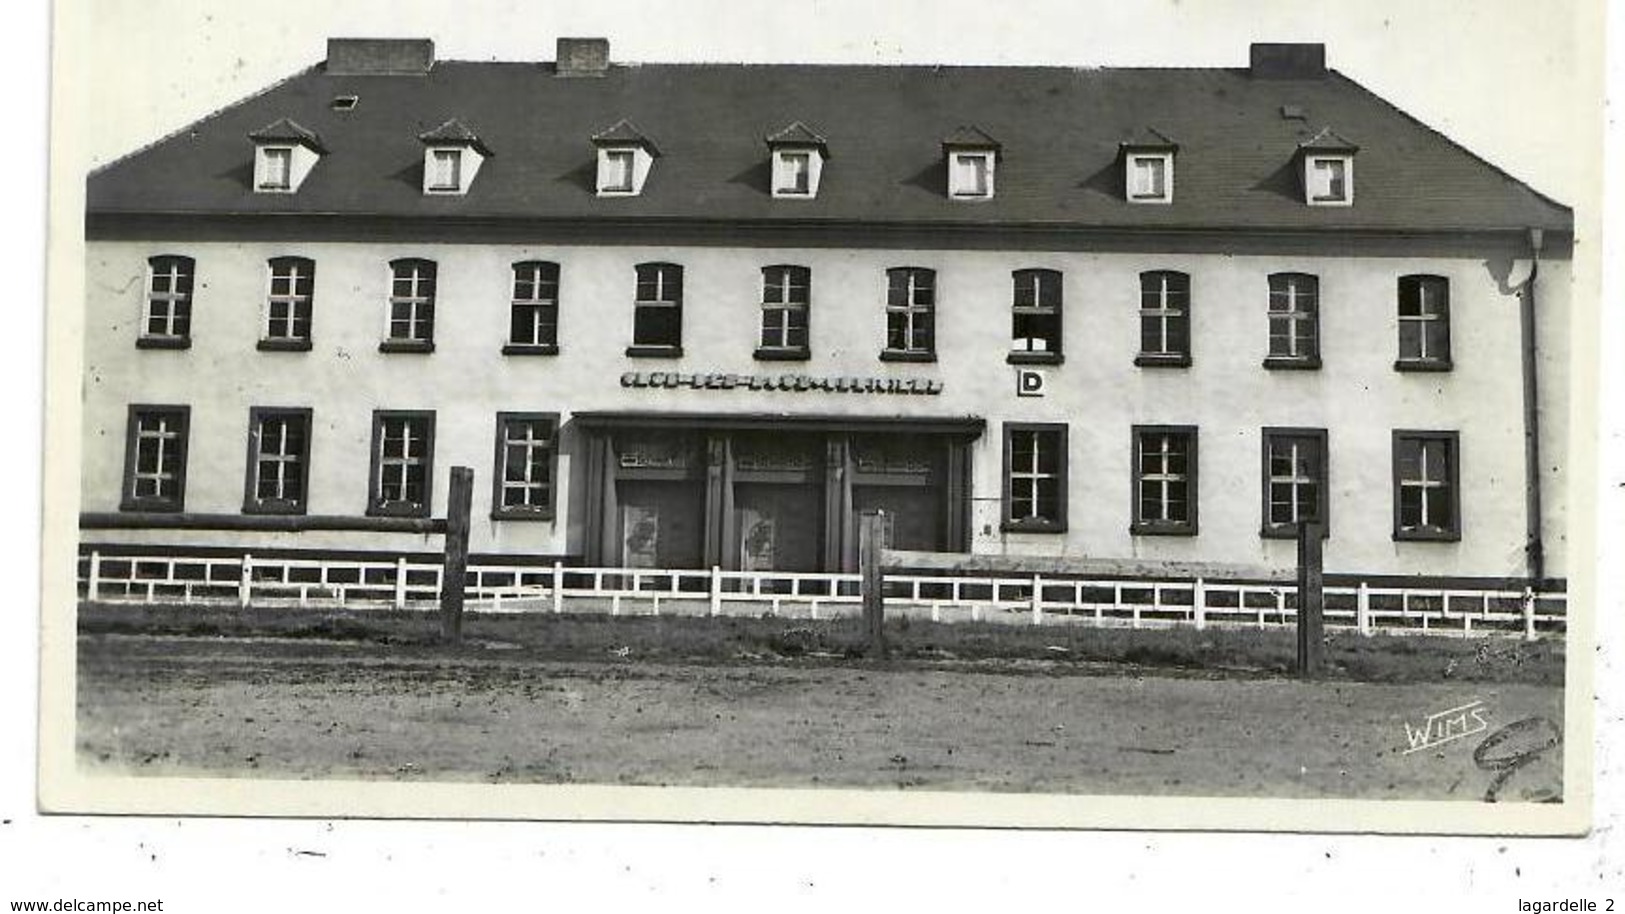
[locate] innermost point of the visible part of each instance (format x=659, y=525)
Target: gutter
x=1534, y=548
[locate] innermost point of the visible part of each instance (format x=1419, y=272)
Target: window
x=276, y=168
x=1330, y=180
x=1294, y=321
x=616, y=171
x=1295, y=480
x=1165, y=480
x=167, y=323
x=970, y=175
x=155, y=459
x=402, y=463
x=1427, y=504
x=278, y=461
x=534, y=319
x=1165, y=319
x=1424, y=323
x=911, y=303
x=411, y=307
x=1035, y=317
x=287, y=307
x=792, y=174
x=785, y=294
x=1151, y=178
x=657, y=317
x=445, y=170
x=526, y=466
x=1034, y=477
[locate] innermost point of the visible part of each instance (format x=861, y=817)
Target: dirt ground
x=310, y=709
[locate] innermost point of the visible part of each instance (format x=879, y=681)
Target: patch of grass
x=733, y=639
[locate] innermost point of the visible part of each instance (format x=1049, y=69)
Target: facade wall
x=1099, y=392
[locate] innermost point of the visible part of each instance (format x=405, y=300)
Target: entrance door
x=662, y=523
x=779, y=526
x=916, y=513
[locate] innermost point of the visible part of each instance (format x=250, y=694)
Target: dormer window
x=972, y=156
x=625, y=157
x=1148, y=167
x=452, y=156
x=798, y=161
x=1328, y=169
x=284, y=154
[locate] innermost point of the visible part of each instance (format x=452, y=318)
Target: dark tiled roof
x=453, y=133
x=286, y=131
x=625, y=132
x=967, y=136
x=1327, y=140
x=796, y=134
x=1148, y=138
x=1059, y=127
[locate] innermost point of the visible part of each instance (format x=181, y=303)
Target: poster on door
x=756, y=536
x=641, y=524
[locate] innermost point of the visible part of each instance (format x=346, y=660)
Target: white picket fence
x=1032, y=599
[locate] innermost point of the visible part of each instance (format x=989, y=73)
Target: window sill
x=397, y=509
x=1289, y=363
x=530, y=349
x=1151, y=360
x=515, y=514
x=1144, y=529
x=282, y=345
x=418, y=346
x=768, y=354
x=151, y=506
x=1033, y=525
x=901, y=355
x=274, y=508
x=163, y=342
x=1427, y=536
x=1423, y=365
x=1035, y=358
x=1289, y=532
x=654, y=352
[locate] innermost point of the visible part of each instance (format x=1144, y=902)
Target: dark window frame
x=664, y=276
x=1168, y=316
x=177, y=300
x=1291, y=286
x=913, y=313
x=542, y=275
x=1431, y=533
x=1034, y=524
x=502, y=511
x=1139, y=526
x=252, y=503
x=1427, y=362
x=300, y=305
x=1040, y=280
x=421, y=307
x=176, y=503
x=376, y=506
x=1270, y=529
x=787, y=308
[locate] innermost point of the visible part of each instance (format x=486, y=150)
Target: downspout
x=1533, y=546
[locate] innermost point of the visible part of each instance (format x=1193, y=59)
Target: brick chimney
x=379, y=56
x=582, y=57
x=1288, y=61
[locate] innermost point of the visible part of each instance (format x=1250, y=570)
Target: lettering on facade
x=798, y=383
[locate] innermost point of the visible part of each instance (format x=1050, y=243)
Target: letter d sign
x=1029, y=383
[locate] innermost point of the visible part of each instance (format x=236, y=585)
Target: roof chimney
x=1288, y=61
x=379, y=56
x=582, y=57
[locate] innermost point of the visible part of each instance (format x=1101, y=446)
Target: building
x=704, y=315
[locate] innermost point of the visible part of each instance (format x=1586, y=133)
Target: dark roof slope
x=1059, y=129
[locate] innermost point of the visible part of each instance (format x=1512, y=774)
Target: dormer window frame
x=629, y=187
x=1313, y=164
x=986, y=176
x=785, y=174
x=433, y=156
x=284, y=155
x=1134, y=161
x=274, y=174
x=452, y=141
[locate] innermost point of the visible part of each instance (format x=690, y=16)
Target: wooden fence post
x=558, y=587
x=716, y=590
x=1528, y=614
x=1362, y=609
x=1311, y=602
x=93, y=591
x=871, y=540
x=454, y=564
x=245, y=582
x=1199, y=603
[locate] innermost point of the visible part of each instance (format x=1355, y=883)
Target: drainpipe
x=1531, y=420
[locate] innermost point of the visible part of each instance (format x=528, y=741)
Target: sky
x=1491, y=75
